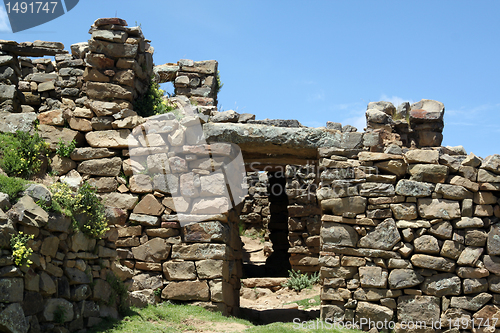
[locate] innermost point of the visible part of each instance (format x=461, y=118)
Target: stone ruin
x=400, y=228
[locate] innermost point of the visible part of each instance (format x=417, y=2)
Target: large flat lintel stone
x=361, y=252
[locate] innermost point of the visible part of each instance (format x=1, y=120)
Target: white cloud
x=318, y=96
x=4, y=20
x=395, y=100
x=358, y=121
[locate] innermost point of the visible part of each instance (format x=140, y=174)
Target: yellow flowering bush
x=21, y=153
x=84, y=202
x=20, y=249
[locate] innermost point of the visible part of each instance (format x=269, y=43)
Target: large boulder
x=419, y=309
x=187, y=291
x=383, y=237
x=27, y=212
x=295, y=143
x=12, y=122
x=11, y=290
x=426, y=111
x=12, y=319
x=52, y=135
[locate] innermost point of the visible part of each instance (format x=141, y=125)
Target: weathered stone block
x=404, y=278
x=339, y=234
x=154, y=250
x=372, y=277
x=101, y=167
x=419, y=309
x=200, y=251
x=187, y=291
x=11, y=290
x=438, y=208
x=442, y=285
x=414, y=188
x=384, y=236
x=209, y=268
x=213, y=231
x=430, y=262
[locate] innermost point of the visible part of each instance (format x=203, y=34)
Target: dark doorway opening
x=278, y=263
x=274, y=227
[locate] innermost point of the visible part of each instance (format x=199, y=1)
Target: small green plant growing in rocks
x=65, y=150
x=241, y=228
x=20, y=249
x=152, y=102
x=158, y=292
x=21, y=153
x=59, y=314
x=12, y=186
x=83, y=203
x=219, y=84
x=298, y=281
x=119, y=293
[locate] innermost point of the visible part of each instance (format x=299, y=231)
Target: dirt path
x=265, y=300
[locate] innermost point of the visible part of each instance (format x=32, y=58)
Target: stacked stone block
x=23, y=95
x=120, y=61
x=195, y=79
x=409, y=236
x=256, y=207
x=304, y=217
x=418, y=125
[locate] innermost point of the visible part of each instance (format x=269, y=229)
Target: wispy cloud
x=473, y=112
x=348, y=106
x=358, y=121
x=317, y=96
x=4, y=21
x=352, y=113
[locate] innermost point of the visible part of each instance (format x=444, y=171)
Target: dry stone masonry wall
x=409, y=235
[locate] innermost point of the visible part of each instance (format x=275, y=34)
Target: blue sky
x=319, y=61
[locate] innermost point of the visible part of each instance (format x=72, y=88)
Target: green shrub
x=21, y=153
x=88, y=203
x=12, y=186
x=60, y=314
x=20, y=249
x=65, y=150
x=152, y=102
x=298, y=281
x=119, y=293
x=84, y=207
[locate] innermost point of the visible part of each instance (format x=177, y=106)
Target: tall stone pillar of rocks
x=10, y=72
x=418, y=125
x=197, y=80
x=426, y=121
x=119, y=68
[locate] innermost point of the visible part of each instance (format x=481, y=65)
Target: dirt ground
x=266, y=305
x=284, y=298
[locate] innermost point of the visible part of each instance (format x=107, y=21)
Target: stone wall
x=69, y=270
x=409, y=235
x=137, y=165
x=304, y=217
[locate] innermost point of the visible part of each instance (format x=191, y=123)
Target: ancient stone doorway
x=264, y=226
